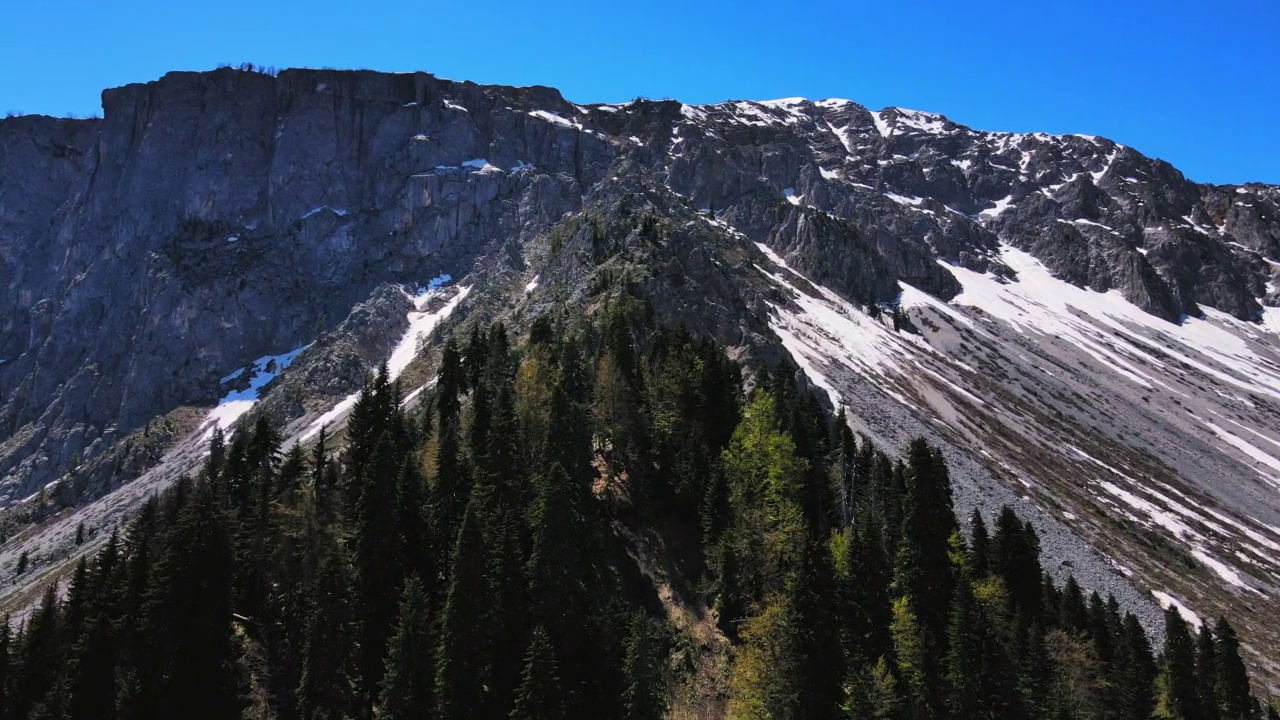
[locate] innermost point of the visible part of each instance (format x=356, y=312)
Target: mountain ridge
x=212, y=218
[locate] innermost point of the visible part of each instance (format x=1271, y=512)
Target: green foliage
x=537, y=513
x=408, y=679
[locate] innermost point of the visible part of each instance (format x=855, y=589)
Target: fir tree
x=1232, y=682
x=979, y=542
x=408, y=680
x=328, y=683
x=1207, y=673
x=464, y=656
x=644, y=684
x=1179, y=697
x=1135, y=674
x=539, y=696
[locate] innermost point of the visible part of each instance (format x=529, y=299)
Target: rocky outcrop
x=210, y=218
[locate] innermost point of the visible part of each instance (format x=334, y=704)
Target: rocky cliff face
x=210, y=218
x=1041, y=287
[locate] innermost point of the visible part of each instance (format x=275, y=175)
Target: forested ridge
x=469, y=558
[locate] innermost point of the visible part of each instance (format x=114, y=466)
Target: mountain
x=1087, y=334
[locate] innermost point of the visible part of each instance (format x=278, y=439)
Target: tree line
x=464, y=560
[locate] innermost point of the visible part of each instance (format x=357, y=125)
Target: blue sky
x=1194, y=83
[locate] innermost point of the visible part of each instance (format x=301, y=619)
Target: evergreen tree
x=964, y=657
x=1014, y=556
x=1232, y=683
x=6, y=664
x=1207, y=673
x=540, y=696
x=377, y=554
x=1135, y=674
x=979, y=544
x=644, y=684
x=765, y=680
x=407, y=682
x=462, y=673
x=923, y=573
x=1179, y=696
x=328, y=683
x=765, y=485
x=1073, y=615
x=188, y=616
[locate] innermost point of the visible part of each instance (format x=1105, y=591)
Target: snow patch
x=904, y=200
x=236, y=403
x=421, y=324
x=555, y=119
x=340, y=212
x=1166, y=601
x=480, y=164
x=1001, y=205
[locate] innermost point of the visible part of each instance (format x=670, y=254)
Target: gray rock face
x=213, y=217
x=210, y=218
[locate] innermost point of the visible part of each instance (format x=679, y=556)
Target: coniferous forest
x=474, y=557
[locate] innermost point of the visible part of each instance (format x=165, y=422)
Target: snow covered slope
x=1106, y=415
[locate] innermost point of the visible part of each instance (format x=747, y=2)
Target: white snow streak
x=421, y=324
x=238, y=402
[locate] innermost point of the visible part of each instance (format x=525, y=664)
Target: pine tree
x=1179, y=696
x=1232, y=683
x=188, y=607
x=557, y=570
x=1014, y=556
x=979, y=544
x=766, y=680
x=1207, y=672
x=539, y=696
x=964, y=664
x=6, y=664
x=1073, y=615
x=413, y=533
x=765, y=483
x=408, y=680
x=39, y=657
x=643, y=681
x=463, y=671
x=1135, y=674
x=884, y=699
x=912, y=664
x=377, y=555
x=923, y=573
x=329, y=677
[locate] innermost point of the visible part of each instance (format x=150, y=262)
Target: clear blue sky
x=1195, y=83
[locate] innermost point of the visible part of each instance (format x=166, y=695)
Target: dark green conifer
x=540, y=696
x=1180, y=687
x=409, y=677
x=1232, y=684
